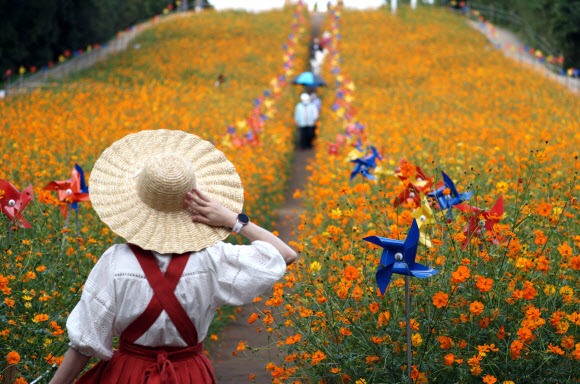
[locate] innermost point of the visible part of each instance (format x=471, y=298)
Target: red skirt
x=136, y=364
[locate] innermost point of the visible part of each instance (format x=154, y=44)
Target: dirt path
x=231, y=369
x=503, y=36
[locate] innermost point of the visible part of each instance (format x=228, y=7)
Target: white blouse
x=117, y=292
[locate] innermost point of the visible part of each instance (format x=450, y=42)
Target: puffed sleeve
x=90, y=324
x=243, y=272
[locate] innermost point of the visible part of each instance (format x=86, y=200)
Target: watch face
x=243, y=218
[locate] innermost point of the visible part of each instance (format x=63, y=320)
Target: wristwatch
x=243, y=220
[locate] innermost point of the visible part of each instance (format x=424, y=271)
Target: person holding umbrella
x=305, y=117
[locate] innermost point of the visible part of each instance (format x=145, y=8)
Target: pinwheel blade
x=411, y=243
x=368, y=175
x=449, y=184
x=84, y=187
x=422, y=271
x=384, y=277
x=390, y=248
x=465, y=208
x=497, y=209
x=466, y=196
x=26, y=196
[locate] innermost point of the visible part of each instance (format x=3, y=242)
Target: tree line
x=557, y=21
x=37, y=32
x=34, y=33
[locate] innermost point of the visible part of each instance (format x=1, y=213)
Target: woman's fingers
x=201, y=195
x=200, y=219
x=196, y=199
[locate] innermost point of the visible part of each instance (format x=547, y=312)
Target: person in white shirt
x=174, y=197
x=305, y=117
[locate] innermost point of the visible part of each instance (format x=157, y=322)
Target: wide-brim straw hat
x=139, y=184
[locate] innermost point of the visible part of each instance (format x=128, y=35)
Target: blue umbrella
x=309, y=79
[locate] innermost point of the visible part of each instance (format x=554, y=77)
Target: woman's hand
x=208, y=211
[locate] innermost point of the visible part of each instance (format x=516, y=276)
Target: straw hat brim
x=115, y=199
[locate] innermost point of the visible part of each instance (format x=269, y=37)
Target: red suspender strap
x=164, y=297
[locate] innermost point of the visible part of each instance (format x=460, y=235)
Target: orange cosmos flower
x=544, y=209
x=540, y=237
x=241, y=346
x=377, y=340
x=445, y=342
x=555, y=349
x=516, y=349
x=345, y=331
x=483, y=284
x=533, y=313
x=565, y=250
x=373, y=307
x=461, y=274
x=476, y=308
x=524, y=334
x=489, y=379
x=567, y=342
x=440, y=299
x=317, y=357
x=12, y=358
x=384, y=318
x=357, y=293
x=253, y=318
x=501, y=333
x=449, y=359
x=575, y=263
x=41, y=317
x=372, y=359
x=351, y=273
x=293, y=339
x=408, y=170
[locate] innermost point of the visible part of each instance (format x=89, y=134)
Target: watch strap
x=238, y=227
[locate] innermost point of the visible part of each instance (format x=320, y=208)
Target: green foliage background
x=558, y=21
x=35, y=32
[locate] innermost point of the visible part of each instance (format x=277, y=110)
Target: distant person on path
x=315, y=47
x=305, y=117
x=220, y=80
x=315, y=100
x=174, y=197
x=325, y=42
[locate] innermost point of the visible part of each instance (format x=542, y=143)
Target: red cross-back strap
x=164, y=297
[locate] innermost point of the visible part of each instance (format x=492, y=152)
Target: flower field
x=429, y=95
x=166, y=80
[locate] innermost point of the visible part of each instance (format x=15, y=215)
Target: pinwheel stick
x=78, y=223
x=65, y=227
x=9, y=232
x=408, y=314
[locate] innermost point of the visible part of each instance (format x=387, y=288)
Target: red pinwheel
x=417, y=183
x=480, y=220
x=332, y=149
x=71, y=191
x=12, y=202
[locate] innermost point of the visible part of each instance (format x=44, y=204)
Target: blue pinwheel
x=399, y=257
x=364, y=164
x=447, y=201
